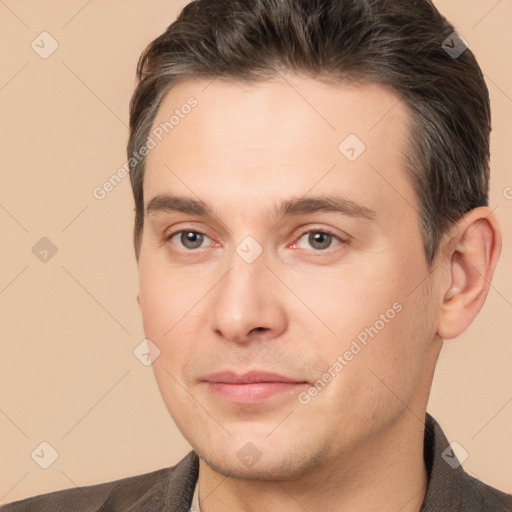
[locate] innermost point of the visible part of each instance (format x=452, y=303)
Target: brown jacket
x=171, y=489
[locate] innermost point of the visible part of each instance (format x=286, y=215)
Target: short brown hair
x=395, y=43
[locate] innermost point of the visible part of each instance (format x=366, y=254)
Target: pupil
x=195, y=239
x=323, y=239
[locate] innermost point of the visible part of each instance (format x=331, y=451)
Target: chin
x=270, y=463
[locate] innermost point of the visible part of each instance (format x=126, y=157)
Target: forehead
x=279, y=137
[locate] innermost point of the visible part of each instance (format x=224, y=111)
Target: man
x=311, y=189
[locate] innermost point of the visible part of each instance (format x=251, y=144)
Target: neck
x=386, y=472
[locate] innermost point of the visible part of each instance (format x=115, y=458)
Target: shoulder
x=450, y=487
x=148, y=491
x=475, y=493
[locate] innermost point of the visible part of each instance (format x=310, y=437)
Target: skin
x=358, y=444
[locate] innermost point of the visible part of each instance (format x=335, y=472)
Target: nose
x=246, y=303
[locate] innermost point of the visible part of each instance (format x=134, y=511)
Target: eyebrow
x=289, y=207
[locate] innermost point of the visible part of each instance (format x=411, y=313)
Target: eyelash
x=341, y=241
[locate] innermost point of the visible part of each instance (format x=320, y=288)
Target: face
x=276, y=243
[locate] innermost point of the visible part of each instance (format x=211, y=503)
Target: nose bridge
x=248, y=266
x=243, y=300
x=239, y=290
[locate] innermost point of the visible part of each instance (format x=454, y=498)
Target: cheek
x=393, y=361
x=165, y=297
x=173, y=306
x=164, y=313
x=382, y=329
x=155, y=298
x=344, y=300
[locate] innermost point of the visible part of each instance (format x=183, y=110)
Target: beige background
x=68, y=375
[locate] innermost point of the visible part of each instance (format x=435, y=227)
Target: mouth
x=251, y=387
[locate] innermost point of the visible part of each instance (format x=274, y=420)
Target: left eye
x=189, y=239
x=319, y=240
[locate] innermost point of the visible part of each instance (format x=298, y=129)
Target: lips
x=251, y=387
x=249, y=378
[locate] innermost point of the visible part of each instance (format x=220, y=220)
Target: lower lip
x=254, y=392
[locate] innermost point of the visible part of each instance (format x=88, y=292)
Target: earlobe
x=473, y=253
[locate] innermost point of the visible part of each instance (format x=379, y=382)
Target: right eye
x=188, y=239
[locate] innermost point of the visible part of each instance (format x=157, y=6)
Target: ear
x=471, y=255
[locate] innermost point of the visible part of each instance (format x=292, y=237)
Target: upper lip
x=229, y=377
